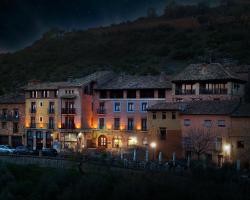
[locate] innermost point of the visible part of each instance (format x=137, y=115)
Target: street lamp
x=153, y=146
x=227, y=150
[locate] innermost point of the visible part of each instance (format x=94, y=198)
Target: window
x=130, y=124
x=144, y=124
x=173, y=115
x=33, y=122
x=33, y=107
x=218, y=144
x=131, y=94
x=164, y=115
x=161, y=93
x=4, y=125
x=144, y=106
x=101, y=123
x=41, y=104
x=130, y=107
x=117, y=123
x=39, y=135
x=116, y=94
x=103, y=94
x=207, y=123
x=45, y=94
x=146, y=94
x=33, y=94
x=15, y=127
x=16, y=113
x=101, y=109
x=51, y=122
x=117, y=107
x=56, y=93
x=51, y=107
x=240, y=144
x=187, y=122
x=40, y=119
x=221, y=123
x=163, y=133
x=154, y=115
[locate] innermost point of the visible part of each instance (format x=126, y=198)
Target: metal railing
x=68, y=111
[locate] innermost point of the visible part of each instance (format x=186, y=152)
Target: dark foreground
x=32, y=182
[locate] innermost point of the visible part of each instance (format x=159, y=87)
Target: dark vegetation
x=184, y=34
x=32, y=182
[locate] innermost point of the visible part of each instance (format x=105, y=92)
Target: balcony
x=41, y=126
x=214, y=91
x=9, y=117
x=184, y=92
x=68, y=126
x=101, y=111
x=33, y=110
x=68, y=111
x=51, y=111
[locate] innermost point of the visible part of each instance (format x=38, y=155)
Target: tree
x=199, y=141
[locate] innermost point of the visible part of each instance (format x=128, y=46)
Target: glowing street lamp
x=153, y=146
x=227, y=149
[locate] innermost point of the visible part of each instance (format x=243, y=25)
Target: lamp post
x=153, y=146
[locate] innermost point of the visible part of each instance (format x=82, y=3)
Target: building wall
x=197, y=123
x=173, y=141
x=240, y=132
x=7, y=132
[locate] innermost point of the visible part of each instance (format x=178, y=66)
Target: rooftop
x=97, y=76
x=12, y=99
x=242, y=111
x=211, y=108
x=123, y=81
x=167, y=106
x=206, y=72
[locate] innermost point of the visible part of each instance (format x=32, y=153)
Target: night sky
x=23, y=21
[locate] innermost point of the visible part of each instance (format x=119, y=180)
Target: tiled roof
x=12, y=99
x=97, y=76
x=242, y=111
x=167, y=106
x=137, y=82
x=211, y=108
x=206, y=72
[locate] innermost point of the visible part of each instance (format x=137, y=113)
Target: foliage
x=147, y=45
x=32, y=182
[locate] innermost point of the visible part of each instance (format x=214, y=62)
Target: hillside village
x=202, y=112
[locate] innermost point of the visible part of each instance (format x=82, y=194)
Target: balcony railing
x=214, y=91
x=184, y=92
x=68, y=126
x=33, y=110
x=9, y=117
x=68, y=111
x=101, y=111
x=51, y=111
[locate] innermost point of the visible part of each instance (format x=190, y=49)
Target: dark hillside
x=147, y=45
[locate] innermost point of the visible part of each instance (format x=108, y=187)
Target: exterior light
x=134, y=140
x=79, y=135
x=153, y=145
x=227, y=149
